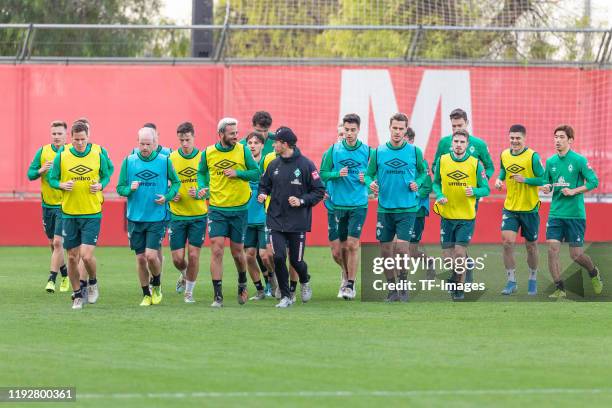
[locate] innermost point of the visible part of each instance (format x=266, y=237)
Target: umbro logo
x=457, y=175
x=396, y=163
x=146, y=175
x=350, y=163
x=80, y=170
x=515, y=168
x=224, y=164
x=188, y=172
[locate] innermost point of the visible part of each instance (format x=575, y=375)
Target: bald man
x=149, y=181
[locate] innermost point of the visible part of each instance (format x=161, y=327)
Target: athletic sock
x=52, y=276
x=184, y=273
x=510, y=275
x=593, y=273
x=93, y=281
x=78, y=293
x=217, y=285
x=533, y=274
x=350, y=284
x=242, y=279
x=83, y=284
x=146, y=291
x=64, y=271
x=189, y=285
x=258, y=285
x=292, y=286
x=560, y=285
x=156, y=280
x=266, y=279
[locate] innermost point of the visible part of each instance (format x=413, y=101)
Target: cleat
x=65, y=284
x=532, y=287
x=77, y=303
x=340, y=291
x=218, y=303
x=92, y=293
x=284, y=303
x=156, y=295
x=243, y=294
x=510, y=288
x=261, y=295
x=50, y=288
x=292, y=297
x=268, y=290
x=348, y=293
x=458, y=295
x=306, y=292
x=557, y=294
x=189, y=297
x=180, y=284
x=146, y=301
x=392, y=296
x=596, y=282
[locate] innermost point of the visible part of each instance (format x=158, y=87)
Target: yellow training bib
x=267, y=160
x=84, y=171
x=225, y=191
x=455, y=178
x=49, y=195
x=519, y=196
x=187, y=171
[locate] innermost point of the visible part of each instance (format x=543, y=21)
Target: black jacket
x=285, y=177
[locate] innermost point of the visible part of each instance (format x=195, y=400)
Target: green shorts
x=77, y=231
x=229, y=224
x=350, y=222
x=417, y=230
x=529, y=223
x=143, y=235
x=181, y=231
x=256, y=237
x=52, y=221
x=391, y=224
x=455, y=232
x=570, y=230
x=332, y=226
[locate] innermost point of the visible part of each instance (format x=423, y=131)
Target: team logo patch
x=188, y=172
x=515, y=168
x=297, y=173
x=457, y=175
x=472, y=150
x=315, y=175
x=146, y=175
x=350, y=163
x=224, y=164
x=396, y=163
x=570, y=168
x=80, y=170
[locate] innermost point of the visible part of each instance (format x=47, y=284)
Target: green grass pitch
x=325, y=353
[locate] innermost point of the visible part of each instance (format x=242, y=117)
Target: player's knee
x=56, y=244
x=87, y=258
x=575, y=254
x=151, y=256
x=553, y=250
x=251, y=253
x=216, y=251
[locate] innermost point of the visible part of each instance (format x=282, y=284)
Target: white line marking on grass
x=341, y=394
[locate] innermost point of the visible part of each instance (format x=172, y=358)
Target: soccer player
x=294, y=187
x=229, y=166
x=399, y=170
x=423, y=211
x=332, y=225
x=256, y=238
x=188, y=211
x=459, y=181
x=51, y=200
x=261, y=122
x=477, y=148
x=144, y=180
x=568, y=176
x=81, y=171
x=520, y=207
x=343, y=169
